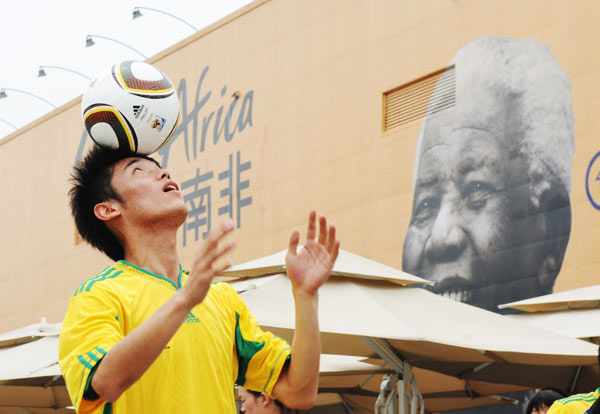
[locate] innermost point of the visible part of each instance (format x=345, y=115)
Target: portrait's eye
x=426, y=209
x=476, y=194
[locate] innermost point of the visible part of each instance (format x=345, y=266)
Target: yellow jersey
x=218, y=344
x=575, y=404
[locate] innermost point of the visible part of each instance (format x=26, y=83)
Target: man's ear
x=107, y=210
x=264, y=399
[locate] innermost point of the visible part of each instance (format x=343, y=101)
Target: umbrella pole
x=395, y=396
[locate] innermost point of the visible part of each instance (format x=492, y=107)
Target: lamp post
x=8, y=123
x=4, y=95
x=42, y=71
x=137, y=13
x=90, y=42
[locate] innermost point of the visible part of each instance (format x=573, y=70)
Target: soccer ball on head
x=131, y=106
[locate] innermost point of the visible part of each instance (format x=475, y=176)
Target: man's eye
x=476, y=194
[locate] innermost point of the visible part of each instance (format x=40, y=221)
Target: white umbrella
x=30, y=378
x=574, y=313
x=575, y=323
x=347, y=264
x=419, y=324
x=587, y=297
x=422, y=328
x=29, y=333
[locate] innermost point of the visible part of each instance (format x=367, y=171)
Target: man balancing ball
x=144, y=335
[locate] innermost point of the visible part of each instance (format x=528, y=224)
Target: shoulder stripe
x=84, y=362
x=103, y=273
x=111, y=276
x=93, y=356
x=109, y=273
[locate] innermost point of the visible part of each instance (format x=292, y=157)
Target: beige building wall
x=311, y=74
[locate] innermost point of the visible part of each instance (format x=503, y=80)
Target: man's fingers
x=322, y=230
x=225, y=228
x=209, y=252
x=336, y=251
x=294, y=240
x=215, y=236
x=312, y=226
x=224, y=250
x=215, y=254
x=220, y=268
x=330, y=239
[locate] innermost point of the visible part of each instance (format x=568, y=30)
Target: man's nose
x=447, y=239
x=164, y=174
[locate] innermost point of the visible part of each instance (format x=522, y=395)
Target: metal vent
x=420, y=98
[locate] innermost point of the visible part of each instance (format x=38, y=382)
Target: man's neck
x=154, y=250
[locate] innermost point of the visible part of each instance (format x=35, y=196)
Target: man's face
x=148, y=194
x=250, y=403
x=472, y=228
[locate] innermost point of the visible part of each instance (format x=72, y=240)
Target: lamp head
x=136, y=13
x=41, y=72
x=89, y=41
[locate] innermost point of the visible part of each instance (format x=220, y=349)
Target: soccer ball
x=131, y=106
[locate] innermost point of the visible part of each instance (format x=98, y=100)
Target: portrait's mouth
x=459, y=295
x=454, y=287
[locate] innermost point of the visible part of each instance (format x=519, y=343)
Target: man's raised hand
x=310, y=267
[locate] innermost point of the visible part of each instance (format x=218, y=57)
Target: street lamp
x=137, y=13
x=8, y=123
x=42, y=72
x=4, y=95
x=90, y=42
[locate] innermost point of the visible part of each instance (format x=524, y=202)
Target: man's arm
x=127, y=361
x=307, y=269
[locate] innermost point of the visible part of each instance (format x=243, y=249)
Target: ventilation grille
x=420, y=98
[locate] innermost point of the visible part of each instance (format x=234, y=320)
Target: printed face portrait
x=491, y=214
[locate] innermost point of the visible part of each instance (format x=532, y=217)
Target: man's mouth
x=170, y=186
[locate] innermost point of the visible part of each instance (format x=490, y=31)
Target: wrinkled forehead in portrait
x=513, y=116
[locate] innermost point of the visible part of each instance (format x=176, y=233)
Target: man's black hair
x=92, y=185
x=542, y=398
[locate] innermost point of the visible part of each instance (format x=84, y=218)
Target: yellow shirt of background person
x=575, y=404
x=218, y=344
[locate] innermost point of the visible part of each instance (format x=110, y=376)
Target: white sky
x=53, y=32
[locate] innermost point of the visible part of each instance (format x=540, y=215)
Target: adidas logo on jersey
x=191, y=318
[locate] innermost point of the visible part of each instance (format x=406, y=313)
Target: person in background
x=587, y=403
x=542, y=400
x=254, y=402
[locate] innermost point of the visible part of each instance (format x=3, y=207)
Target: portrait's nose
x=447, y=239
